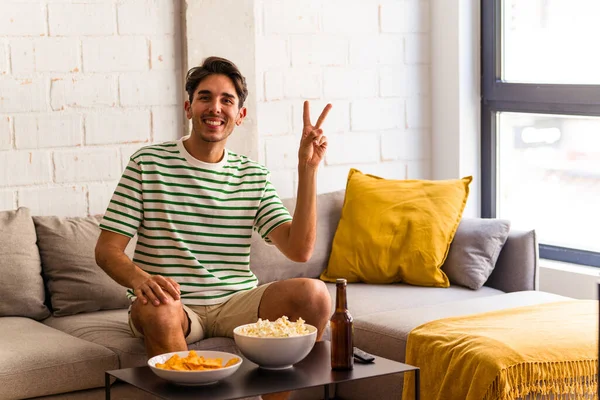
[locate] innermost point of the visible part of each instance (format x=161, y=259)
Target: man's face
x=214, y=110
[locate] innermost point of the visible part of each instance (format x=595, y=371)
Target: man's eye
x=203, y=98
x=228, y=101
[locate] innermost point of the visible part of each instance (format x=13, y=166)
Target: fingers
x=155, y=290
x=323, y=115
x=306, y=114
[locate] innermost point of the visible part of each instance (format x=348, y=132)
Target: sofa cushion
x=76, y=284
x=475, y=250
x=110, y=329
x=396, y=230
x=21, y=285
x=365, y=299
x=38, y=360
x=269, y=264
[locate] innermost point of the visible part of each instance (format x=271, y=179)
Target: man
x=194, y=205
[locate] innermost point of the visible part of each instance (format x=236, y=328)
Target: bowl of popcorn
x=275, y=344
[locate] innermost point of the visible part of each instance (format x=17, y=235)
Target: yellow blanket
x=504, y=355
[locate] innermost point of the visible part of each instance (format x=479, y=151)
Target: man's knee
x=164, y=317
x=313, y=293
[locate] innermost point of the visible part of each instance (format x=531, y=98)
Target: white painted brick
x=385, y=49
x=70, y=201
x=3, y=59
x=273, y=85
x=332, y=178
x=418, y=80
x=392, y=81
x=343, y=83
x=22, y=95
x=352, y=148
x=86, y=165
x=165, y=53
x=117, y=126
x=393, y=16
x=386, y=170
x=405, y=16
x=274, y=118
x=338, y=119
x=291, y=16
x=282, y=152
x=7, y=200
x=115, y=54
x=271, y=52
x=418, y=169
x=147, y=17
x=417, y=49
x=22, y=19
x=304, y=83
x=418, y=112
x=83, y=91
x=167, y=123
x=127, y=152
x=5, y=134
x=24, y=167
x=47, y=49
x=77, y=19
x=48, y=130
x=99, y=195
x=319, y=50
x=150, y=88
x=376, y=114
x=405, y=145
x=350, y=17
x=22, y=56
x=284, y=180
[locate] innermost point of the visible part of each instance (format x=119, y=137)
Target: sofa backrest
x=267, y=262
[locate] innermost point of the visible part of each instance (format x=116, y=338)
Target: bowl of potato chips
x=195, y=367
x=275, y=344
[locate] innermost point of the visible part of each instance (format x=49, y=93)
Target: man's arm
x=111, y=257
x=296, y=239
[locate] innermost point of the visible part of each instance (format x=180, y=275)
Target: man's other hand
x=313, y=144
x=153, y=290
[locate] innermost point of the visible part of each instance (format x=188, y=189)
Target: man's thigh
x=239, y=310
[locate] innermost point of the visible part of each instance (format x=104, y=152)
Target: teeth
x=213, y=123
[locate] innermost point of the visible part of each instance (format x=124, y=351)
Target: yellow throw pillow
x=396, y=230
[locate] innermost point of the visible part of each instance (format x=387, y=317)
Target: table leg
x=417, y=384
x=326, y=392
x=107, y=385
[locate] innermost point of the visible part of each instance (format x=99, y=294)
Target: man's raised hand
x=313, y=144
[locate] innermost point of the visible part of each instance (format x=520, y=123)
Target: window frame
x=500, y=96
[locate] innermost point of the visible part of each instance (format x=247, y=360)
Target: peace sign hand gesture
x=313, y=144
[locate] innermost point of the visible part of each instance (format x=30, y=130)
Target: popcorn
x=282, y=327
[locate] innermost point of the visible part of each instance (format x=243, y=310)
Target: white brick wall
x=83, y=84
x=370, y=59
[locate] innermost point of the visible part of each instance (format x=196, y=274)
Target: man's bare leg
x=163, y=326
x=297, y=298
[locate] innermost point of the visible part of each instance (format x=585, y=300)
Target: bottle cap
x=340, y=281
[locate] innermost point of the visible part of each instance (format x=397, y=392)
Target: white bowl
x=194, y=378
x=275, y=352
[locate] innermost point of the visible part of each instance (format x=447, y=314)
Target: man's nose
x=215, y=107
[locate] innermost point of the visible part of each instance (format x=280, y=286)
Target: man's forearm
x=120, y=267
x=303, y=229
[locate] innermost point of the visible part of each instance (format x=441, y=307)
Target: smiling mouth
x=213, y=122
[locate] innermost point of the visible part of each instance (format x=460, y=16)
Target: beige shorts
x=219, y=319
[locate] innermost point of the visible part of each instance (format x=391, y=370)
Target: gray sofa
x=63, y=322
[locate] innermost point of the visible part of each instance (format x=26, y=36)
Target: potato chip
x=193, y=362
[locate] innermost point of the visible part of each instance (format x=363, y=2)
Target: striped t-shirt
x=194, y=220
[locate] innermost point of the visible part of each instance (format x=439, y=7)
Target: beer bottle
x=342, y=332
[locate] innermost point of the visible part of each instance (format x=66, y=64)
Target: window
x=541, y=122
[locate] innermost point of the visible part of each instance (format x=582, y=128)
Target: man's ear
x=188, y=109
x=241, y=116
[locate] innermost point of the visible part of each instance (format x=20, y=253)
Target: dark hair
x=216, y=65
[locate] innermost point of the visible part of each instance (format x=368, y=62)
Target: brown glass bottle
x=342, y=332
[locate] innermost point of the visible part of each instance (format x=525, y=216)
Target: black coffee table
x=250, y=380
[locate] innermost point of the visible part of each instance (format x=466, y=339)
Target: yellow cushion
x=396, y=230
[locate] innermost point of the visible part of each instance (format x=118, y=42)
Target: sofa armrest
x=517, y=266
